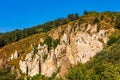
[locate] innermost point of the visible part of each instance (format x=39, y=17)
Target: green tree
x=79, y=73
x=76, y=16
x=118, y=22
x=70, y=17
x=86, y=12
x=55, y=43
x=96, y=20
x=101, y=17
x=48, y=41
x=5, y=74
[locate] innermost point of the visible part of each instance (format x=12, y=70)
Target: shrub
x=76, y=16
x=111, y=41
x=101, y=17
x=38, y=77
x=5, y=74
x=35, y=50
x=96, y=20
x=48, y=42
x=86, y=12
x=114, y=37
x=77, y=73
x=44, y=57
x=55, y=43
x=117, y=22
x=70, y=17
x=98, y=28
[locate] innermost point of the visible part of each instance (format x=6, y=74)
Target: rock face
x=76, y=45
x=14, y=55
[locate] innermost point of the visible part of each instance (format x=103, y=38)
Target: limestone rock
x=93, y=29
x=55, y=35
x=76, y=45
x=12, y=57
x=41, y=40
x=18, y=74
x=64, y=66
x=16, y=55
x=68, y=29
x=48, y=67
x=34, y=68
x=23, y=67
x=65, y=39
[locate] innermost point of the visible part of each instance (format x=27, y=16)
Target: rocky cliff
x=77, y=44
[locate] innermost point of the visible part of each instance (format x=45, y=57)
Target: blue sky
x=19, y=14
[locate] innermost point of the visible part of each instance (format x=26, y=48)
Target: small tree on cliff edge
x=76, y=16
x=117, y=22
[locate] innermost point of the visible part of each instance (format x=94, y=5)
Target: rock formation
x=77, y=45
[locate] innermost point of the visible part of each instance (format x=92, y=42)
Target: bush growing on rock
x=101, y=17
x=55, y=43
x=118, y=22
x=5, y=74
x=96, y=20
x=35, y=50
x=48, y=42
x=114, y=37
x=111, y=40
x=38, y=77
x=44, y=57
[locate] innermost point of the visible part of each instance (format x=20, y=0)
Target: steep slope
x=104, y=66
x=70, y=51
x=54, y=52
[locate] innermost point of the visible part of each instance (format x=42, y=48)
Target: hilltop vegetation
x=16, y=35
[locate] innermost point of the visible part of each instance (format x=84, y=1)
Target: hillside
x=85, y=48
x=104, y=66
x=16, y=35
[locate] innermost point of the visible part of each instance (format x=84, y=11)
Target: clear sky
x=19, y=14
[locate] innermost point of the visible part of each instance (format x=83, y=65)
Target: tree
x=102, y=17
x=76, y=16
x=117, y=22
x=55, y=43
x=5, y=74
x=70, y=17
x=2, y=43
x=96, y=20
x=78, y=73
x=48, y=42
x=86, y=12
